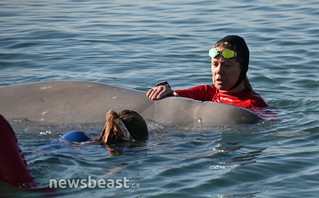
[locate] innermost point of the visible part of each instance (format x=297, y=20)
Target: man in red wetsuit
x=229, y=65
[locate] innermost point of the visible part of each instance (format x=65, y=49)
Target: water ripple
x=135, y=44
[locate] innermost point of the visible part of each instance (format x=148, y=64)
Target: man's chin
x=221, y=88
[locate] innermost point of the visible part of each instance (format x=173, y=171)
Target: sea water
x=135, y=44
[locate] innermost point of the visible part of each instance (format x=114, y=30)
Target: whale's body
x=87, y=102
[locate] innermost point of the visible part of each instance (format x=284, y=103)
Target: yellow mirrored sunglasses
x=226, y=53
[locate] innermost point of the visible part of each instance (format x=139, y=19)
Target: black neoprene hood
x=242, y=49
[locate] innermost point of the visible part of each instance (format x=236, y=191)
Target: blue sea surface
x=135, y=44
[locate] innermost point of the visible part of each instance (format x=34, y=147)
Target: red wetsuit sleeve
x=13, y=167
x=202, y=92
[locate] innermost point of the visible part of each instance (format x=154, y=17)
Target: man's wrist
x=163, y=83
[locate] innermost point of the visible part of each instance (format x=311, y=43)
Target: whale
x=64, y=102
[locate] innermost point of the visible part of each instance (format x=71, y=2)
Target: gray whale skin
x=87, y=102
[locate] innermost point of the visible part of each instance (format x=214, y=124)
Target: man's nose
x=220, y=68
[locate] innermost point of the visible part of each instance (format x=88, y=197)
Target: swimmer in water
x=126, y=126
x=229, y=65
x=123, y=127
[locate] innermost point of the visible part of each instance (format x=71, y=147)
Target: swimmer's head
x=135, y=124
x=238, y=44
x=126, y=126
